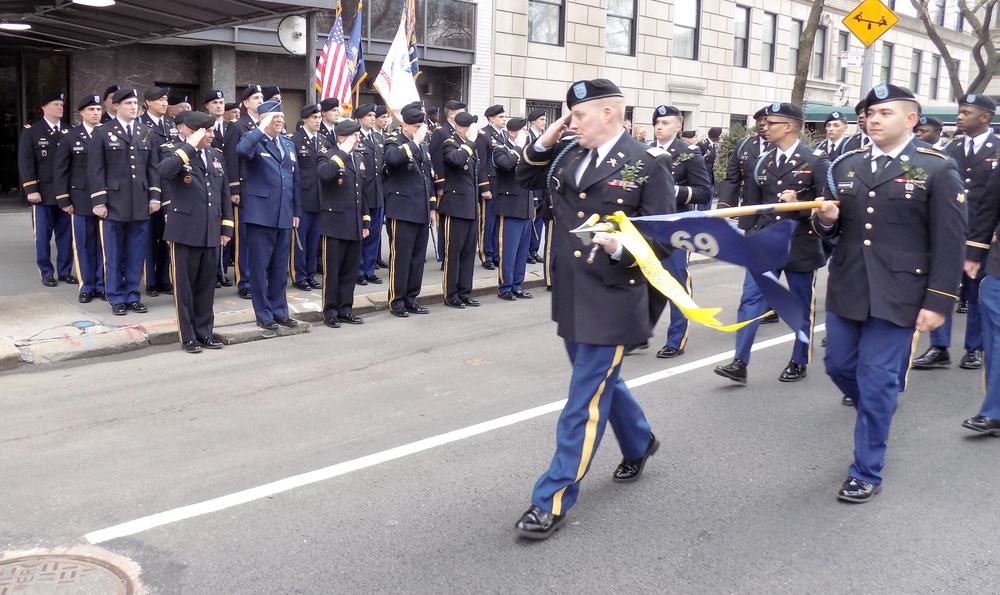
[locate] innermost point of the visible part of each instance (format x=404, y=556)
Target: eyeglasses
x=774, y=123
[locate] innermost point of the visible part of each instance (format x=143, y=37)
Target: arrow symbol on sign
x=860, y=18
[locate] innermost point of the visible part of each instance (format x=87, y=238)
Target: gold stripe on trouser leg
x=447, y=251
x=291, y=254
x=326, y=280
x=500, y=242
x=76, y=253
x=909, y=360
x=689, y=287
x=392, y=264
x=590, y=431
x=237, y=244
x=812, y=320
x=104, y=253
x=547, y=267
x=34, y=230
x=173, y=281
x=481, y=227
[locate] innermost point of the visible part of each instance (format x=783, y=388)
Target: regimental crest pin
x=881, y=91
x=580, y=90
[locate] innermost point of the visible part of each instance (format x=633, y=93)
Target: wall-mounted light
x=14, y=26
x=97, y=3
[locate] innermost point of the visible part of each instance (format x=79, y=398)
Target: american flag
x=333, y=74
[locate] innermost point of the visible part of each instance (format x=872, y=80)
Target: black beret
x=271, y=105
x=380, y=110
x=714, y=132
x=196, y=120
x=412, y=113
x=494, y=110
x=785, y=110
x=213, y=95
x=930, y=121
x=270, y=92
x=180, y=117
x=346, y=127
x=329, y=103
x=689, y=134
x=123, y=94
x=884, y=92
x=51, y=96
x=665, y=110
x=249, y=92
x=515, y=124
x=110, y=90
x=88, y=101
x=535, y=114
x=231, y=106
x=859, y=108
x=983, y=102
x=835, y=115
x=433, y=110
x=364, y=109
x=465, y=119
x=154, y=93
x=309, y=109
x=582, y=91
x=757, y=115
x=177, y=99
x=454, y=104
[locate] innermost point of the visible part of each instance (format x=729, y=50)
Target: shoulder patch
x=656, y=151
x=932, y=152
x=818, y=152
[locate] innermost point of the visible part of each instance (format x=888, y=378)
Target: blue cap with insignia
x=582, y=91
x=213, y=95
x=272, y=105
x=663, y=111
x=983, y=102
x=884, y=92
x=88, y=101
x=308, y=110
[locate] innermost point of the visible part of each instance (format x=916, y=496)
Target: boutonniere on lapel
x=146, y=136
x=683, y=157
x=630, y=177
x=218, y=166
x=915, y=176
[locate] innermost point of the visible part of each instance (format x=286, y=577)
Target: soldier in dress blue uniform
x=73, y=197
x=330, y=108
x=371, y=156
x=739, y=170
x=788, y=172
x=162, y=130
x=459, y=209
x=109, y=105
x=491, y=138
x=36, y=158
x=270, y=202
x=515, y=207
x=452, y=108
x=537, y=122
x=343, y=222
x=600, y=303
x=236, y=169
x=896, y=268
x=124, y=186
x=860, y=138
x=975, y=150
x=836, y=127
x=199, y=221
x=693, y=188
x=410, y=206
x=309, y=144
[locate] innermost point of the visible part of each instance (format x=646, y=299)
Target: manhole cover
x=65, y=575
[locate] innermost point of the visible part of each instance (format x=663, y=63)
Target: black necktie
x=880, y=163
x=970, y=149
x=592, y=165
x=765, y=147
x=781, y=161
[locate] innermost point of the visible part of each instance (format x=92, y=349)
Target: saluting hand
x=552, y=134
x=196, y=137
x=472, y=133
x=349, y=143
x=420, y=134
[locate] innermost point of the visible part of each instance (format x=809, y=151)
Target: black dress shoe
x=382, y=263
x=86, y=297
x=972, y=360
x=191, y=347
x=489, y=266
x=167, y=289
x=537, y=258
x=314, y=283
x=152, y=291
x=119, y=309
x=70, y=279
x=287, y=322
x=418, y=309
x=138, y=307
x=400, y=312
x=857, y=491
x=531, y=260
x=507, y=296
x=935, y=357
x=209, y=343
x=629, y=471
x=224, y=281
x=268, y=325
x=669, y=352
x=630, y=349
x=770, y=318
x=218, y=285
x=302, y=286
x=332, y=323
x=244, y=293
x=522, y=295
x=351, y=319
x=373, y=279
x=983, y=425
x=793, y=372
x=103, y=295
x=454, y=304
x=538, y=524
x=824, y=342
x=361, y=280
x=735, y=371
x=470, y=302
x=49, y=281
x=963, y=307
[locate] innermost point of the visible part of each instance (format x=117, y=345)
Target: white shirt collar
x=123, y=124
x=90, y=131
x=603, y=150
x=979, y=140
x=788, y=154
x=53, y=125
x=877, y=152
x=154, y=118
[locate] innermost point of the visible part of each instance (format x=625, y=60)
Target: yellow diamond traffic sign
x=870, y=20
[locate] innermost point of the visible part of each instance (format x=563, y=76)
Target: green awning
x=817, y=112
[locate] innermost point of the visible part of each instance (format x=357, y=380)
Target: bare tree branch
x=806, y=41
x=949, y=62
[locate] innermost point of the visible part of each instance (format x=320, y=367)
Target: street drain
x=63, y=575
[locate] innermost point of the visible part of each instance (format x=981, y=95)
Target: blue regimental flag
x=355, y=57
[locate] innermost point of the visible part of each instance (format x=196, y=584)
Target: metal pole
x=867, y=65
x=311, y=57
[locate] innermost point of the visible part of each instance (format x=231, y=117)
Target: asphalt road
x=740, y=498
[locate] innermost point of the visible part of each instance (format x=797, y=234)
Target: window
x=793, y=45
x=959, y=20
x=890, y=3
x=545, y=21
x=767, y=50
x=915, y=66
x=843, y=45
x=741, y=37
x=687, y=21
x=552, y=109
x=819, y=53
x=619, y=33
x=738, y=121
x=885, y=73
x=935, y=74
x=937, y=13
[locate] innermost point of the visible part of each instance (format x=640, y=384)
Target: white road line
x=297, y=481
